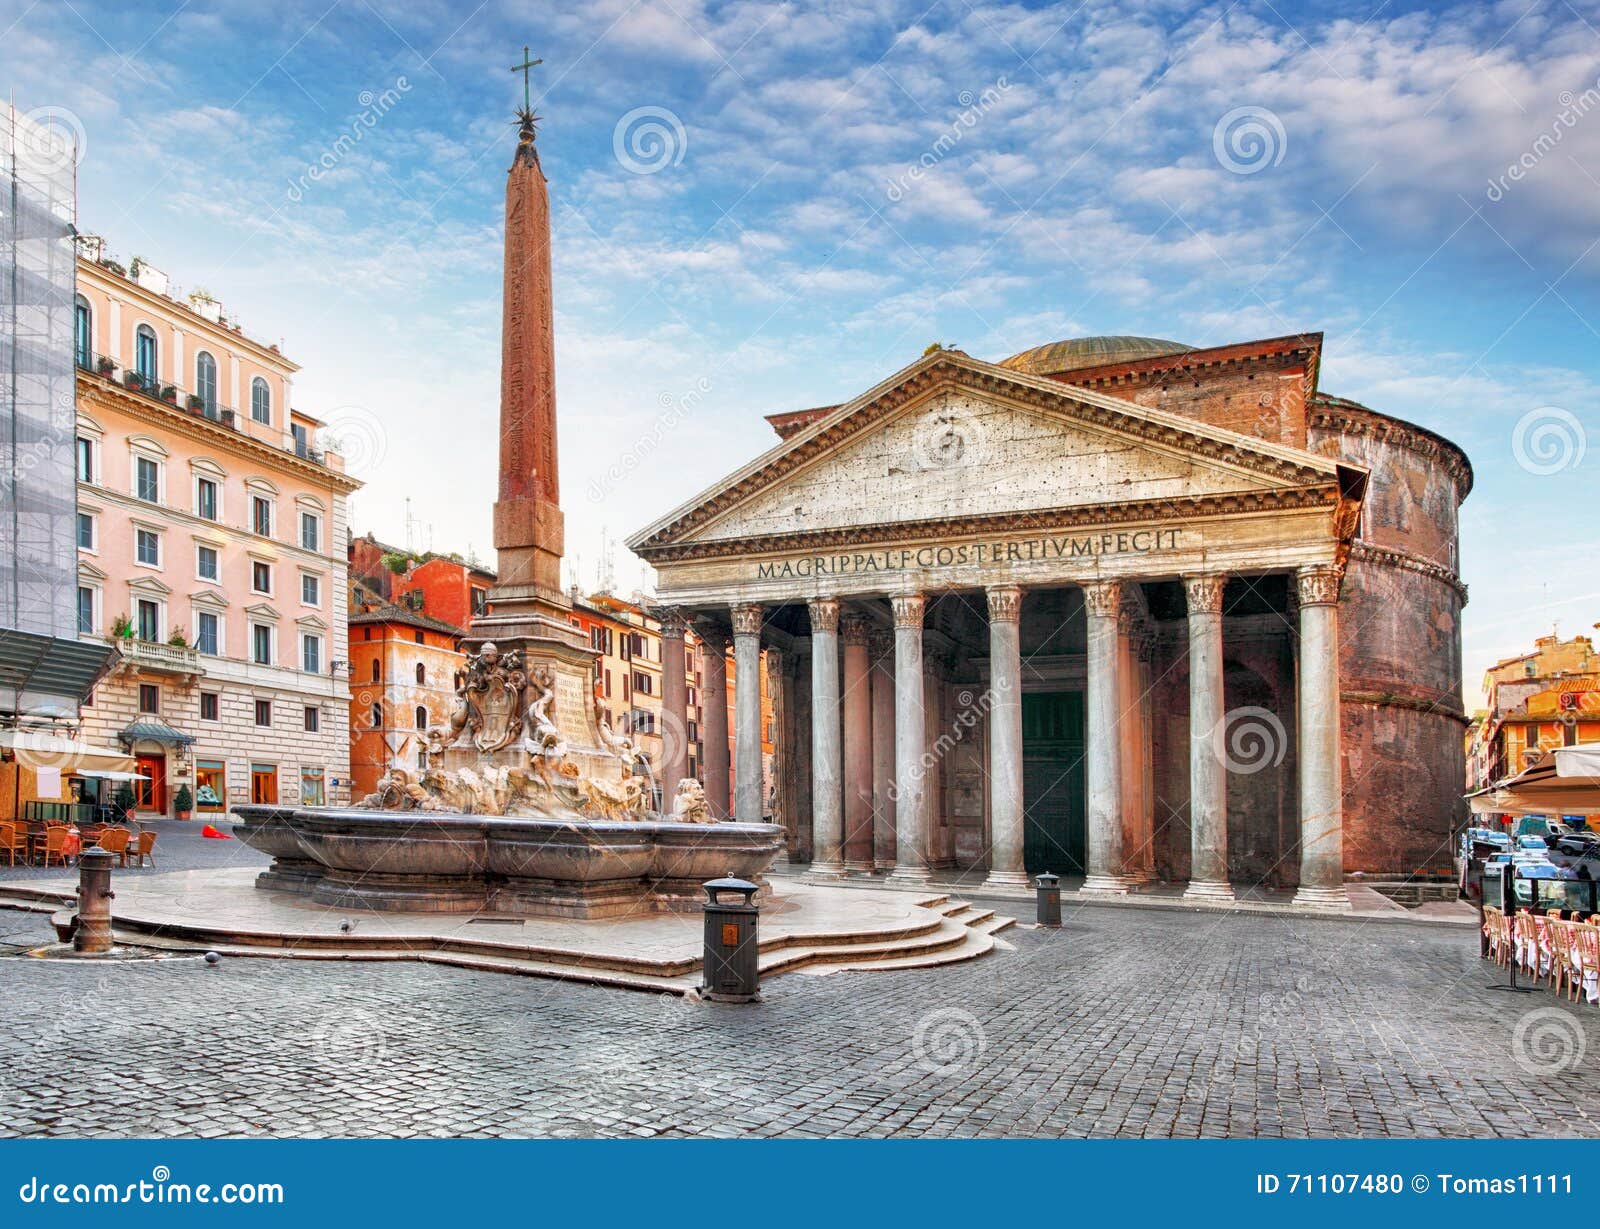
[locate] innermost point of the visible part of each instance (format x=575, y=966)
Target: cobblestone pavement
x=1126, y=1022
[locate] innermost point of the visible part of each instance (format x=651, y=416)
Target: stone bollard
x=93, y=933
x=732, y=969
x=1049, y=900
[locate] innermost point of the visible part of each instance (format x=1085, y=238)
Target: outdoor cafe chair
x=1498, y=934
x=1525, y=941
x=13, y=838
x=1562, y=939
x=1586, y=960
x=52, y=843
x=144, y=848
x=115, y=840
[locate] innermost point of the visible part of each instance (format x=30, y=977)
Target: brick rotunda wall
x=1400, y=634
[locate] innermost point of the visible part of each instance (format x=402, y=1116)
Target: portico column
x=674, y=706
x=881, y=649
x=1102, y=599
x=1317, y=688
x=1005, y=738
x=1138, y=864
x=857, y=705
x=714, y=704
x=747, y=784
x=910, y=744
x=827, y=820
x=1208, y=772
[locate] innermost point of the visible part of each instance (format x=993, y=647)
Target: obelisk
x=528, y=611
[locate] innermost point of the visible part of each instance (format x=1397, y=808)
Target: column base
x=1007, y=879
x=909, y=876
x=1209, y=890
x=826, y=868
x=857, y=867
x=1327, y=899
x=1106, y=885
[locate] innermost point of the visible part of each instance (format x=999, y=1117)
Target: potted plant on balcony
x=104, y=365
x=183, y=802
x=133, y=379
x=178, y=640
x=195, y=403
x=169, y=394
x=122, y=628
x=124, y=800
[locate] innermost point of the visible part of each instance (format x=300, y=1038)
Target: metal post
x=93, y=932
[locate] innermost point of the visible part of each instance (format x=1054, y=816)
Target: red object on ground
x=211, y=832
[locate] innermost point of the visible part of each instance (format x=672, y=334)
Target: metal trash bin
x=732, y=971
x=1048, y=911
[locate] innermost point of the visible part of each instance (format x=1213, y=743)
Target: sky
x=761, y=207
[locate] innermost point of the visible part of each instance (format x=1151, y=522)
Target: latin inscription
x=979, y=554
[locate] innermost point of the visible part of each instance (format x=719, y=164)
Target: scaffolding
x=38, y=399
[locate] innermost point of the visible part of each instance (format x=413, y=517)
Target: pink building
x=211, y=550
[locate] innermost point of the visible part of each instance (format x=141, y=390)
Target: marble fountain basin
x=433, y=861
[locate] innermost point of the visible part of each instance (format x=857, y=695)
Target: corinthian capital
x=1005, y=603
x=674, y=622
x=747, y=619
x=824, y=614
x=1204, y=593
x=854, y=627
x=1103, y=598
x=1318, y=586
x=907, y=609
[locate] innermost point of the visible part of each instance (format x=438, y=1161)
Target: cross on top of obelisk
x=528, y=65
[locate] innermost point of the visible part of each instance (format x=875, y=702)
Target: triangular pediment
x=951, y=440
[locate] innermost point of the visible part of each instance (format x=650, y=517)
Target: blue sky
x=752, y=239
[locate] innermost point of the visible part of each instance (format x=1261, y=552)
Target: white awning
x=106, y=774
x=39, y=749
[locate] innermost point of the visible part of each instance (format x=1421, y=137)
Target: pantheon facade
x=1115, y=608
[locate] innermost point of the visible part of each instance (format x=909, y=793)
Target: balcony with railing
x=157, y=657
x=179, y=398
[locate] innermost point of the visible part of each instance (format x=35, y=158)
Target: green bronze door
x=1053, y=795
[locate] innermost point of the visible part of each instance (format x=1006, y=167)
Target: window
x=313, y=718
x=205, y=499
x=85, y=460
x=421, y=717
x=419, y=637
x=83, y=333
x=147, y=480
x=302, y=441
x=377, y=671
x=311, y=653
x=263, y=783
x=310, y=589
x=207, y=633
x=147, y=547
x=206, y=563
x=260, y=401
x=377, y=716
x=643, y=684
x=148, y=618
x=144, y=355
x=263, y=712
x=149, y=698
x=85, y=610
x=311, y=792
x=261, y=515
x=480, y=600
x=85, y=531
x=210, y=786
x=210, y=706
x=205, y=381
x=310, y=530
x=261, y=644
x=260, y=576
x=422, y=674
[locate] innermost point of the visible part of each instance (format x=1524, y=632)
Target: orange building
x=402, y=676
x=1537, y=701
x=444, y=587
